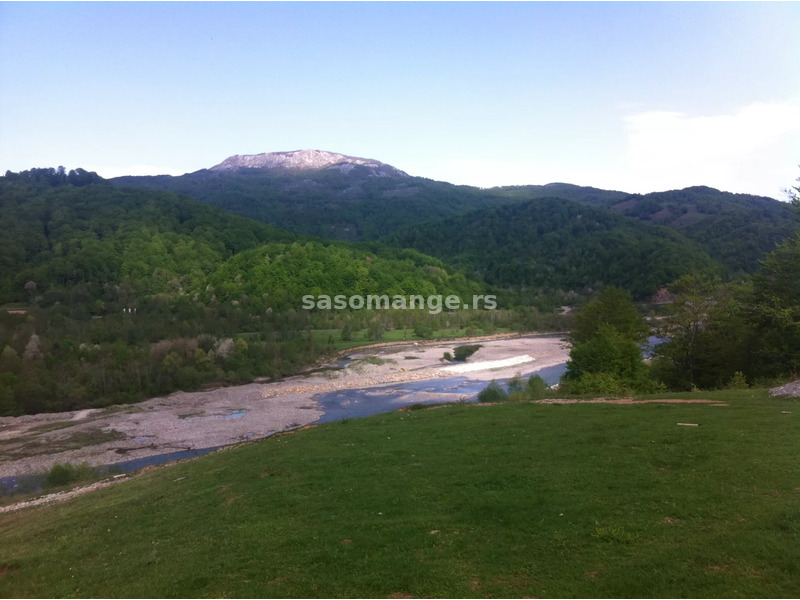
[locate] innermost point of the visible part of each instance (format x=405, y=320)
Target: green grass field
x=506, y=500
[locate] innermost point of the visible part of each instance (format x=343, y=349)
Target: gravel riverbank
x=192, y=420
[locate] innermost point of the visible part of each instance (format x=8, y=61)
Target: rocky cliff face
x=306, y=160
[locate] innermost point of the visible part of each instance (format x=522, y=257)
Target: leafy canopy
x=613, y=308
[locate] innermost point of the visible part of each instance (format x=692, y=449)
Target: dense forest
x=715, y=334
x=345, y=205
x=552, y=246
x=56, y=236
x=735, y=229
x=112, y=294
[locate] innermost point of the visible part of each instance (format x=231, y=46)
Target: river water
x=337, y=406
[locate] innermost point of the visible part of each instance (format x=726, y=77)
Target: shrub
x=423, y=330
x=462, y=353
x=515, y=385
x=537, y=388
x=61, y=474
x=608, y=363
x=493, y=393
x=738, y=382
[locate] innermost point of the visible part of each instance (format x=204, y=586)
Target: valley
x=543, y=448
x=399, y=300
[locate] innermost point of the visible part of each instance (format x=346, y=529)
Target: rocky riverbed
x=194, y=420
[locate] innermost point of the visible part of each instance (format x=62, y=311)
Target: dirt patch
x=4, y=569
x=717, y=568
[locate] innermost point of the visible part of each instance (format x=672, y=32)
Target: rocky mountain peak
x=306, y=160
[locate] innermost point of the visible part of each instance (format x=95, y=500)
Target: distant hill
x=551, y=245
x=109, y=295
x=567, y=191
x=736, y=229
x=279, y=275
x=107, y=243
x=61, y=235
x=321, y=193
x=342, y=197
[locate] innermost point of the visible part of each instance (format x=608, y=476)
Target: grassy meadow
x=506, y=500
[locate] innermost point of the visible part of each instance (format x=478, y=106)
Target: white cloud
x=755, y=149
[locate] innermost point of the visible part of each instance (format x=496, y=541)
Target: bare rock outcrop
x=306, y=160
x=790, y=390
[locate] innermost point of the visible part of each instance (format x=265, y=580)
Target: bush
x=493, y=393
x=423, y=330
x=738, y=382
x=610, y=384
x=515, y=385
x=61, y=474
x=608, y=363
x=595, y=383
x=462, y=353
x=537, y=388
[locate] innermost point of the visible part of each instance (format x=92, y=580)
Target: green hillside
x=512, y=500
x=738, y=230
x=58, y=236
x=352, y=205
x=279, y=275
x=550, y=245
x=111, y=295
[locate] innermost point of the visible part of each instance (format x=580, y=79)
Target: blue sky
x=632, y=96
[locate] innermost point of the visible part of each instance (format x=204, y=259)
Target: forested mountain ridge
x=736, y=229
x=556, y=246
x=353, y=199
x=335, y=196
x=567, y=191
x=59, y=235
x=105, y=239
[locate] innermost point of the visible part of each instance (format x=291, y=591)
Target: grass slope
x=464, y=501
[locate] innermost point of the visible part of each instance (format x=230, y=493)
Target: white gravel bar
x=490, y=364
